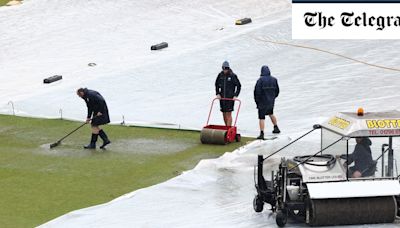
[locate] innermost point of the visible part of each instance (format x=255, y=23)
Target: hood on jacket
x=366, y=141
x=265, y=71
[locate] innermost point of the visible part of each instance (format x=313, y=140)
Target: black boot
x=105, y=139
x=276, y=130
x=261, y=136
x=93, y=141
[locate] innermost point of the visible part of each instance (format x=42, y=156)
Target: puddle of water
x=150, y=146
x=65, y=150
x=123, y=146
x=5, y=129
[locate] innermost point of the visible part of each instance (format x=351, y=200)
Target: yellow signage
x=386, y=123
x=339, y=122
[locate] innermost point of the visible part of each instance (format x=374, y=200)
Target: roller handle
x=226, y=99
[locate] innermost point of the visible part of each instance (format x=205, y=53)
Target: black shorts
x=226, y=106
x=100, y=120
x=265, y=111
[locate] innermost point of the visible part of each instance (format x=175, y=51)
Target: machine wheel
x=238, y=137
x=281, y=218
x=258, y=204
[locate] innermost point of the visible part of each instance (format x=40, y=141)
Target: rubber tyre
x=258, y=204
x=281, y=218
x=238, y=137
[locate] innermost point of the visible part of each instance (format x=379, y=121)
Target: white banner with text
x=345, y=20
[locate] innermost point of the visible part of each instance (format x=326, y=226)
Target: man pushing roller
x=97, y=115
x=227, y=85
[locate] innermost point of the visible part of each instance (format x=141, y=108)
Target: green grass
x=38, y=184
x=3, y=2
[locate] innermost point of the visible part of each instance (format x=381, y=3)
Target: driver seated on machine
x=364, y=165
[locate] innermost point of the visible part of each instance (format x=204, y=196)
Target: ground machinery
x=220, y=134
x=319, y=189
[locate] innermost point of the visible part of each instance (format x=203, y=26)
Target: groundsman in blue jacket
x=97, y=115
x=265, y=93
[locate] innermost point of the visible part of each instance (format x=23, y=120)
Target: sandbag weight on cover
x=52, y=79
x=213, y=136
x=351, y=211
x=243, y=21
x=159, y=46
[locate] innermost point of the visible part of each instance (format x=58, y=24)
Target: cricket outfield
x=39, y=184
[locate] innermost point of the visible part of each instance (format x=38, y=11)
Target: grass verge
x=39, y=184
x=3, y=2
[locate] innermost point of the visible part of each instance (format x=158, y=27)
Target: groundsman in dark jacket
x=362, y=158
x=227, y=85
x=265, y=93
x=97, y=115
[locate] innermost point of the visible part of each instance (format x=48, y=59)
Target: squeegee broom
x=59, y=141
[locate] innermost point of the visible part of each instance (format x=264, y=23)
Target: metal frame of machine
x=220, y=134
x=317, y=189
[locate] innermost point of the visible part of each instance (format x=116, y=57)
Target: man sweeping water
x=97, y=115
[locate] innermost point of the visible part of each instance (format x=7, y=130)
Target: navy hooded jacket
x=266, y=90
x=361, y=156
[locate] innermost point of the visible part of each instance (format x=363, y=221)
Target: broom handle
x=72, y=132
